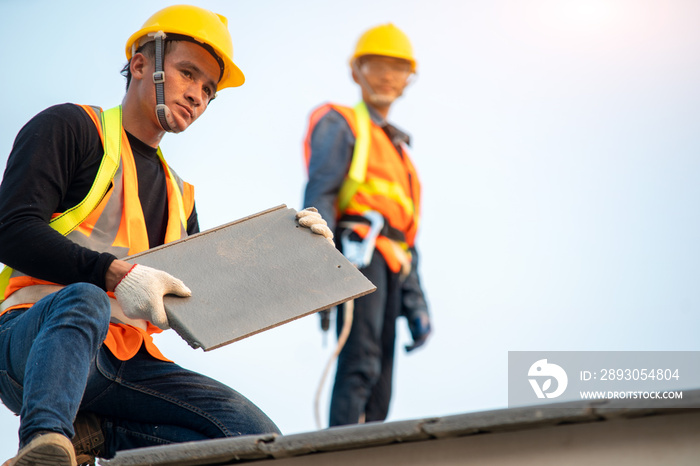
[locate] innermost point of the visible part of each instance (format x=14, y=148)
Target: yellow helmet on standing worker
x=386, y=40
x=200, y=24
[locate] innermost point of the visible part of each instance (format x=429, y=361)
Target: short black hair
x=149, y=50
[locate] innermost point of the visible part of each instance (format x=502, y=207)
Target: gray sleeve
x=332, y=144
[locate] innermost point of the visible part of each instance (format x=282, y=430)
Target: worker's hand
x=140, y=294
x=419, y=325
x=310, y=218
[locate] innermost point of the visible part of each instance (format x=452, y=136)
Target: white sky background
x=557, y=143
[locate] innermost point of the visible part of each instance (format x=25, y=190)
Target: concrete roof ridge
x=268, y=446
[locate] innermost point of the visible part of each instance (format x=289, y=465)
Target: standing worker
x=364, y=184
x=83, y=187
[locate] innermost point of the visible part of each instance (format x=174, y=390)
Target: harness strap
x=387, y=230
x=398, y=247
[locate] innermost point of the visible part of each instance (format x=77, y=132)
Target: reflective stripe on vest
x=360, y=157
x=32, y=294
x=111, y=122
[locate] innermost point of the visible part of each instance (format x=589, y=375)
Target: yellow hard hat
x=202, y=25
x=386, y=40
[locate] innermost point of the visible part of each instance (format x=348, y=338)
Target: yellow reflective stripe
x=4, y=281
x=71, y=218
x=388, y=189
x=347, y=191
x=112, y=133
x=360, y=156
x=178, y=192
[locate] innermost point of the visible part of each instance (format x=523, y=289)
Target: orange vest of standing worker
x=389, y=185
x=117, y=226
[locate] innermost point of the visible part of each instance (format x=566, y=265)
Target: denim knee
x=85, y=302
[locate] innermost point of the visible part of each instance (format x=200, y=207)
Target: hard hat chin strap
x=165, y=116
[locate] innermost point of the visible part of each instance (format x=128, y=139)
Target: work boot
x=47, y=449
x=89, y=439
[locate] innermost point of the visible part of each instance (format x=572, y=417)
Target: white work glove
x=140, y=294
x=310, y=218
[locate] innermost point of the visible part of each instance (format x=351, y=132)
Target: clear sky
x=557, y=142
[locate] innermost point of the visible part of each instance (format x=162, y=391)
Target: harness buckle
x=360, y=253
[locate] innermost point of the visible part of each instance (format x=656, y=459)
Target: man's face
x=191, y=76
x=387, y=76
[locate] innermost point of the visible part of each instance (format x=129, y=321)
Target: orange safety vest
x=116, y=225
x=380, y=178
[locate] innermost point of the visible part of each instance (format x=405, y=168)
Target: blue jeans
x=52, y=364
x=365, y=365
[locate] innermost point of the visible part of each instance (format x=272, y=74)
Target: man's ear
x=354, y=76
x=138, y=65
x=355, y=68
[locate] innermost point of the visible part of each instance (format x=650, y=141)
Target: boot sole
x=46, y=450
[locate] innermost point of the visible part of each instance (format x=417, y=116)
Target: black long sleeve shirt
x=52, y=165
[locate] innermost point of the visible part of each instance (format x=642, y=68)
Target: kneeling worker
x=85, y=186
